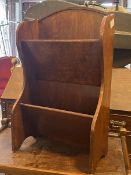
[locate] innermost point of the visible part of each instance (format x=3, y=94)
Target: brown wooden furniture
x=67, y=61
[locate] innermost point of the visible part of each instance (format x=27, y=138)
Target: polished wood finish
x=67, y=61
x=75, y=28
x=41, y=158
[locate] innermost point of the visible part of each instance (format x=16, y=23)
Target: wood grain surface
x=121, y=90
x=14, y=85
x=40, y=157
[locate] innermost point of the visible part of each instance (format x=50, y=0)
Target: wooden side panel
x=99, y=129
x=18, y=130
x=71, y=24
x=17, y=127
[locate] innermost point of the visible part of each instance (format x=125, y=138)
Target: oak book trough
x=67, y=62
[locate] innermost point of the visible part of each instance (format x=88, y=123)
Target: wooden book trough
x=67, y=61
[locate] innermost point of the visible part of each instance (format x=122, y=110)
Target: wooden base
x=40, y=157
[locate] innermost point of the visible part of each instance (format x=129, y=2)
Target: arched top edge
x=75, y=8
